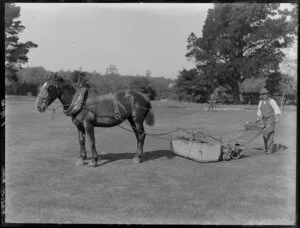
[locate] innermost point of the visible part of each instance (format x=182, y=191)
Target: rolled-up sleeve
x=275, y=107
x=259, y=109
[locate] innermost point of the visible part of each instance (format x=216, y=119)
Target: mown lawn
x=44, y=186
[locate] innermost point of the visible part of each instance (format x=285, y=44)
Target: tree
x=15, y=51
x=143, y=85
x=241, y=40
x=293, y=15
x=79, y=77
x=161, y=86
x=34, y=75
x=252, y=85
x=112, y=69
x=285, y=87
x=192, y=86
x=288, y=84
x=273, y=83
x=148, y=73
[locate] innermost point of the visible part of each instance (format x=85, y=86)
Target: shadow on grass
x=279, y=147
x=260, y=151
x=148, y=156
x=156, y=154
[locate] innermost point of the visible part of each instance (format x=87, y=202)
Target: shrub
x=290, y=98
x=25, y=88
x=22, y=89
x=143, y=85
x=251, y=98
x=224, y=96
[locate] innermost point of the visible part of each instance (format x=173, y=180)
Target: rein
x=54, y=110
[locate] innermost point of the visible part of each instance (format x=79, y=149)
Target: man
x=268, y=113
x=213, y=100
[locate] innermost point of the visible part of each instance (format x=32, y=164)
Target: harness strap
x=116, y=107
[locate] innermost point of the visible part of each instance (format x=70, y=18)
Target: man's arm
x=276, y=109
x=259, y=111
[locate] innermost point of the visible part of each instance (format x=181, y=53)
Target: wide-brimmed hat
x=263, y=91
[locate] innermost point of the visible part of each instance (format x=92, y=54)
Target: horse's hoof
x=92, y=163
x=136, y=160
x=81, y=162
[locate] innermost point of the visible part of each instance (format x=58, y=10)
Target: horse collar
x=77, y=102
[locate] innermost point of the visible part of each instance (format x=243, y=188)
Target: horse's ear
x=59, y=79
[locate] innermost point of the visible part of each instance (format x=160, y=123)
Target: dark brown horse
x=89, y=110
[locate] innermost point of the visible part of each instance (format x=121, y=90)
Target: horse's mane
x=75, y=85
x=60, y=80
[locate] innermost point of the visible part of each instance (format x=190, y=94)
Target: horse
x=88, y=110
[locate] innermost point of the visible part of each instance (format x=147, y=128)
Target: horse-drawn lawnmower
x=89, y=110
x=206, y=148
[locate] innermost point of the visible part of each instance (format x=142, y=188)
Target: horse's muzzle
x=41, y=106
x=41, y=109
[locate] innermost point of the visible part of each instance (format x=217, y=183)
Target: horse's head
x=49, y=91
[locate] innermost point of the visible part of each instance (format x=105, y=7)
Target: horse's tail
x=150, y=118
x=150, y=115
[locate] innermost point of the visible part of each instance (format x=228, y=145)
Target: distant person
x=213, y=100
x=268, y=113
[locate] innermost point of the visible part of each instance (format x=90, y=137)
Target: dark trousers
x=268, y=133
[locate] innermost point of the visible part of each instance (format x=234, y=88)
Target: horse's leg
x=89, y=129
x=136, y=128
x=81, y=137
x=142, y=136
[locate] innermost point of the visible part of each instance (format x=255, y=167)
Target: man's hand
x=258, y=120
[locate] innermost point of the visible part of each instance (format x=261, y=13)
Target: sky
x=134, y=37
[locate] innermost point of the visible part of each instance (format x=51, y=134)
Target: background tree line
x=194, y=86
x=31, y=78
x=188, y=87
x=240, y=52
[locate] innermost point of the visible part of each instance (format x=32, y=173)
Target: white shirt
x=272, y=103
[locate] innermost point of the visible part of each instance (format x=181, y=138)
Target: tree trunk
x=236, y=93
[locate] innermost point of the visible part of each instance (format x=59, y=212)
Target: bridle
x=48, y=99
x=58, y=94
x=55, y=85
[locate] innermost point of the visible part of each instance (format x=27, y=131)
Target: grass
x=44, y=186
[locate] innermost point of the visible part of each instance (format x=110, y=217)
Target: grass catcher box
x=197, y=150
x=253, y=126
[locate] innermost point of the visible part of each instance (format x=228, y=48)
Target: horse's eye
x=51, y=89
